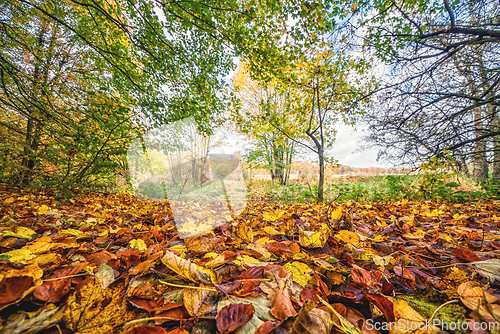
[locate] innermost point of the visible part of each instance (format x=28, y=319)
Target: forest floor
x=111, y=263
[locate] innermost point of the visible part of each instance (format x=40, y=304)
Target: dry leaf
x=232, y=317
x=200, y=303
x=489, y=269
x=315, y=321
x=282, y=307
x=188, y=270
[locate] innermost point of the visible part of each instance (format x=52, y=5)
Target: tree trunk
x=496, y=144
x=480, y=163
x=321, y=180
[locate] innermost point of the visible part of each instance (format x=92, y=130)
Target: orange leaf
x=281, y=305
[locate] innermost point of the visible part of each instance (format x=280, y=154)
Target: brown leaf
x=153, y=305
x=361, y=275
x=252, y=273
x=58, y=284
x=309, y=293
x=142, y=268
x=176, y=314
x=281, y=305
x=383, y=304
x=279, y=249
x=268, y=326
x=13, y=288
x=321, y=286
x=465, y=254
x=313, y=321
x=148, y=330
x=232, y=317
x=200, y=303
x=401, y=271
x=479, y=300
x=100, y=257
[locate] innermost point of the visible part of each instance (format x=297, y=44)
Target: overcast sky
x=345, y=149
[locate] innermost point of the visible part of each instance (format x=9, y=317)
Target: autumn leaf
x=58, y=284
x=22, y=256
x=200, y=303
x=234, y=316
x=188, y=270
x=348, y=237
x=273, y=216
x=282, y=307
x=92, y=310
x=312, y=239
x=315, y=321
x=244, y=232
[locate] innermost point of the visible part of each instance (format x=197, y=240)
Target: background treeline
x=79, y=81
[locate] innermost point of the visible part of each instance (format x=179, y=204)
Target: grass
x=380, y=188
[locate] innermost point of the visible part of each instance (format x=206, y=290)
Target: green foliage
x=379, y=188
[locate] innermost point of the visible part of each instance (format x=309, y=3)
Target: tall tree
x=440, y=94
x=258, y=104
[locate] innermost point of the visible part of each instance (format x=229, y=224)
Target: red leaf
x=52, y=291
x=361, y=275
x=100, y=257
x=268, y=327
x=465, y=254
x=281, y=305
x=403, y=272
x=279, y=248
x=252, y=273
x=148, y=330
x=153, y=305
x=228, y=287
x=309, y=294
x=321, y=286
x=383, y=304
x=13, y=288
x=232, y=317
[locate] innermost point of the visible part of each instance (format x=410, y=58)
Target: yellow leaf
x=40, y=245
x=271, y=230
x=78, y=234
x=244, y=232
x=188, y=269
x=248, y=261
x=379, y=238
x=300, y=272
x=419, y=234
x=45, y=259
x=211, y=255
x=313, y=239
x=22, y=256
x=348, y=237
x=300, y=256
x=337, y=214
x=262, y=241
x=405, y=314
x=43, y=209
x=21, y=232
x=273, y=216
x=138, y=244
x=382, y=261
x=85, y=311
x=9, y=200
